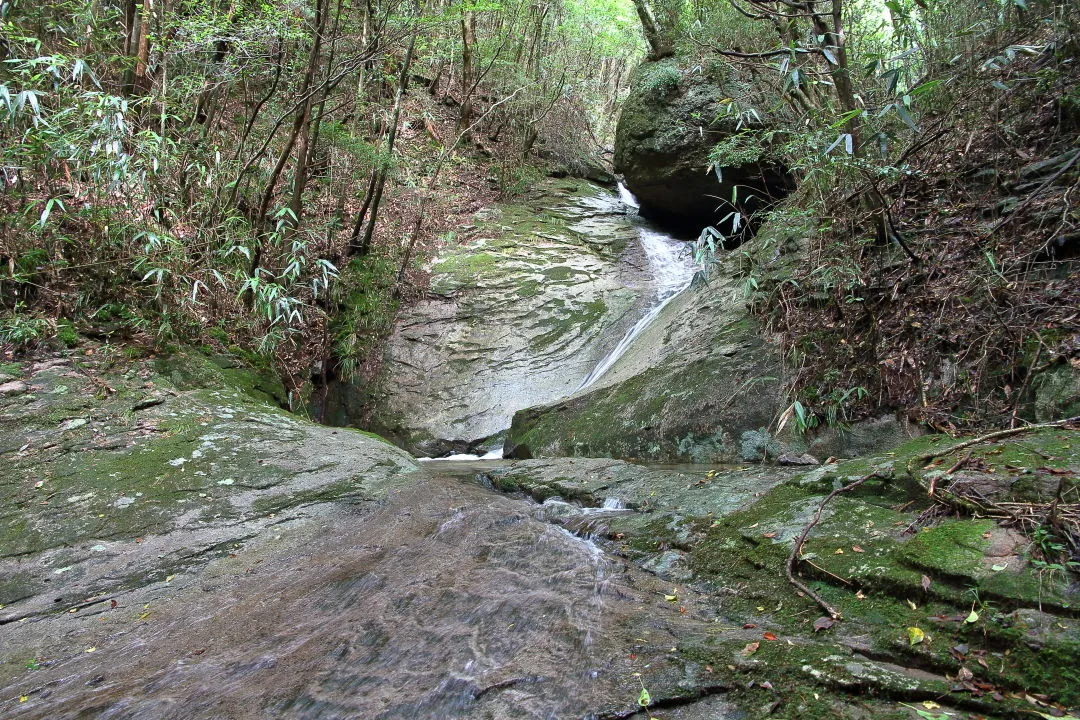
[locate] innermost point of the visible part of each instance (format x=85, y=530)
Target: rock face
x=701, y=384
x=91, y=464
x=174, y=546
x=517, y=315
x=670, y=123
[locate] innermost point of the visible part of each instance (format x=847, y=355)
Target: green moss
x=561, y=273
x=584, y=317
x=188, y=370
x=954, y=549
x=371, y=435
x=1042, y=656
x=464, y=268
x=65, y=333
x=218, y=334
x=529, y=289
x=14, y=369
x=345, y=490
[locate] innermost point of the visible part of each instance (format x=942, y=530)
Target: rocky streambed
x=172, y=545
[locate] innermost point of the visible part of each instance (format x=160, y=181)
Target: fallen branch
x=985, y=438
x=796, y=551
x=959, y=464
x=961, y=500
x=1027, y=201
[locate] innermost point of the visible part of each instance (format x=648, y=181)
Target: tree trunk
x=660, y=44
x=468, y=70
x=299, y=129
x=833, y=39
x=364, y=246
x=142, y=55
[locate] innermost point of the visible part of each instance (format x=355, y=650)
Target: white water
x=495, y=454
x=672, y=269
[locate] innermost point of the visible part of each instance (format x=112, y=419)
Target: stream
x=672, y=269
x=447, y=600
x=443, y=598
x=175, y=549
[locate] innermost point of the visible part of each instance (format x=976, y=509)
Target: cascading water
x=673, y=271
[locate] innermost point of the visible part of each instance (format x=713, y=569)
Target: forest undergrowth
x=932, y=248
x=268, y=179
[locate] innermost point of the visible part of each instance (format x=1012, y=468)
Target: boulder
x=670, y=123
x=701, y=384
x=518, y=313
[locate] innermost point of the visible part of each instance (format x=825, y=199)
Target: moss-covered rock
x=668, y=128
x=700, y=384
x=1056, y=393
x=105, y=453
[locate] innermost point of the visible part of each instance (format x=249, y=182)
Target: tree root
x=957, y=502
x=796, y=551
x=986, y=438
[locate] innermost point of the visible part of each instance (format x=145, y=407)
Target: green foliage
x=66, y=334
x=365, y=294
x=660, y=81
x=23, y=331
x=518, y=179
x=742, y=148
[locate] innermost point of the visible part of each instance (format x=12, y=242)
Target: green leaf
x=915, y=635
x=48, y=210
x=924, y=88
x=644, y=699
x=906, y=117
x=973, y=617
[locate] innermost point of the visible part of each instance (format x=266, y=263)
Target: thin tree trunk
x=660, y=45
x=403, y=85
x=298, y=129
x=142, y=55
x=356, y=248
x=468, y=71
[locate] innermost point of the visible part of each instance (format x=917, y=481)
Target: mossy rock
x=668, y=126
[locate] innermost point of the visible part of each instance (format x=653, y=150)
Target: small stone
x=15, y=387
x=149, y=402
x=793, y=459
x=73, y=423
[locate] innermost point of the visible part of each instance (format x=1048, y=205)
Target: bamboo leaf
x=906, y=117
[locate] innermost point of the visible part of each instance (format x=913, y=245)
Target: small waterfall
x=673, y=272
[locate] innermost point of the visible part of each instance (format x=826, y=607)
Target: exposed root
x=958, y=496
x=925, y=457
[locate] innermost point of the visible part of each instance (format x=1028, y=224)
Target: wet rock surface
x=701, y=384
x=211, y=556
x=519, y=312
